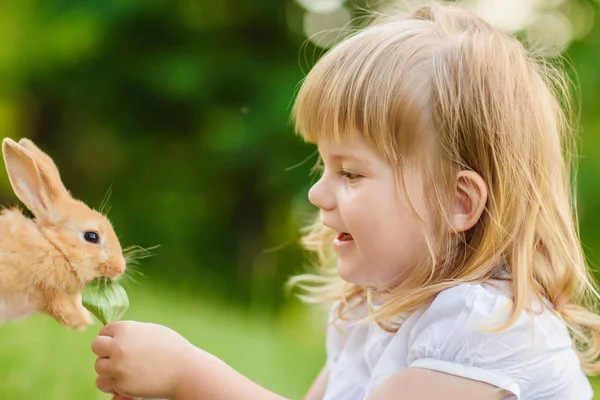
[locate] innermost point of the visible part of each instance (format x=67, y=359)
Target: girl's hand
x=142, y=360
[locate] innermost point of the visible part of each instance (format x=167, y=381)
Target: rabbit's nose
x=118, y=268
x=114, y=269
x=122, y=265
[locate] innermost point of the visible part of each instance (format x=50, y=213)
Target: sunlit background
x=181, y=108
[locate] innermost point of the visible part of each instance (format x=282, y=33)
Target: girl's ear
x=469, y=202
x=31, y=181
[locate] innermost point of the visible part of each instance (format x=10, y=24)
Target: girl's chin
x=347, y=272
x=355, y=274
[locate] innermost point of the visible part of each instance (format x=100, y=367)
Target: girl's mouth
x=343, y=241
x=344, y=237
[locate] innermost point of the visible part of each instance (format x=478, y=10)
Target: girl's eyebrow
x=343, y=156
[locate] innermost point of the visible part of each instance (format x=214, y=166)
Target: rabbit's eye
x=91, y=237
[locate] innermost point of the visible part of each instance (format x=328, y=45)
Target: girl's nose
x=320, y=195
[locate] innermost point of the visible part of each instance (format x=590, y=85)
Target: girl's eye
x=351, y=176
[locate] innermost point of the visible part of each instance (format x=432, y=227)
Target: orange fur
x=45, y=263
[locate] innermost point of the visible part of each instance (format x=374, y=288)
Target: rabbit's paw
x=85, y=318
x=76, y=322
x=71, y=315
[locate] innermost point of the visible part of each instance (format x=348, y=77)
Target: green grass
x=41, y=360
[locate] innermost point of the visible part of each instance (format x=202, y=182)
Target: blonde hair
x=440, y=78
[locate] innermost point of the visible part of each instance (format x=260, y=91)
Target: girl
x=446, y=230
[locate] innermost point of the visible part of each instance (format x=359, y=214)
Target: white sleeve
x=448, y=338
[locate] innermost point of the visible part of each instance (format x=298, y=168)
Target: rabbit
x=46, y=262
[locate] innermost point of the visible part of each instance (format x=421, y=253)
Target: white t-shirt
x=533, y=359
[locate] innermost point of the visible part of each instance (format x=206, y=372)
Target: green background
x=182, y=107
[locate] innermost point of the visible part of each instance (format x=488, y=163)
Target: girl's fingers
x=119, y=397
x=105, y=384
x=101, y=346
x=107, y=330
x=103, y=367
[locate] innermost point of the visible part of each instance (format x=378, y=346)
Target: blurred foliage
x=182, y=107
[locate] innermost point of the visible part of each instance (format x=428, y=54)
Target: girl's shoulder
x=490, y=302
x=468, y=322
x=458, y=333
x=485, y=308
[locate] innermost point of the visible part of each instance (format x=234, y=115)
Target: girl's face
x=378, y=238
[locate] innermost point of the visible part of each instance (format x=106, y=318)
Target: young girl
x=446, y=230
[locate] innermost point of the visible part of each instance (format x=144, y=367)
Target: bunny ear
x=44, y=159
x=30, y=180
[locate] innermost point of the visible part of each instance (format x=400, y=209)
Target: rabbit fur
x=46, y=262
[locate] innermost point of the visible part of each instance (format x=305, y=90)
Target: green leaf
x=106, y=299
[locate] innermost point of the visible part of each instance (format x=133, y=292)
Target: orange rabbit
x=46, y=262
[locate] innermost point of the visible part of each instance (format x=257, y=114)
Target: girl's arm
x=142, y=360
x=215, y=380
x=423, y=384
x=317, y=390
